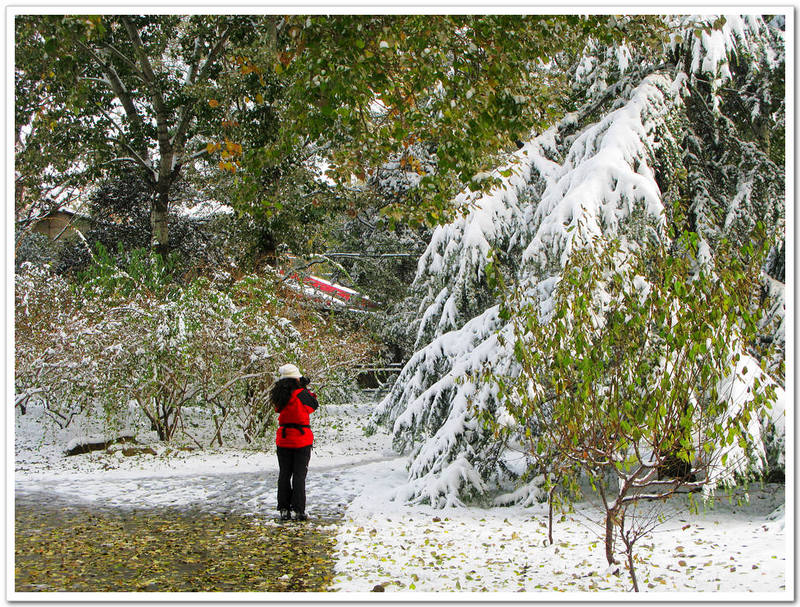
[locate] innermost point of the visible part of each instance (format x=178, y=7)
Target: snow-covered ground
x=726, y=549
x=220, y=479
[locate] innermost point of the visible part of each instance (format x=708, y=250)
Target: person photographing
x=294, y=404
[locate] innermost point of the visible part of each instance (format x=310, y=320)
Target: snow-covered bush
x=34, y=248
x=195, y=349
x=191, y=361
x=55, y=358
x=653, y=151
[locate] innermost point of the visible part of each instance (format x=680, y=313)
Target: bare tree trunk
x=158, y=221
x=632, y=570
x=176, y=419
x=550, y=514
x=218, y=425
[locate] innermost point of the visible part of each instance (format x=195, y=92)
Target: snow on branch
x=606, y=175
x=578, y=183
x=451, y=271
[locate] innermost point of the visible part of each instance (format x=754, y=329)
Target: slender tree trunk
x=218, y=425
x=158, y=222
x=632, y=570
x=610, y=514
x=629, y=539
x=550, y=514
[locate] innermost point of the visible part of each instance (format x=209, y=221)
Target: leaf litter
x=66, y=548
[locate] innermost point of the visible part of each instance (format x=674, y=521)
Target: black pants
x=293, y=464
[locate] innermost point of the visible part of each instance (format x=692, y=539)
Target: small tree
x=630, y=379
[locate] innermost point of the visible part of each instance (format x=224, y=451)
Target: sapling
x=630, y=379
x=634, y=524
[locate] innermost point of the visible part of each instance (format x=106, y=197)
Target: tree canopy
x=114, y=94
x=271, y=101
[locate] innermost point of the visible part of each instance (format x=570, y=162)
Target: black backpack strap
x=295, y=426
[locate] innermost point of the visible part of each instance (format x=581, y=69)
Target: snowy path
x=228, y=480
x=329, y=489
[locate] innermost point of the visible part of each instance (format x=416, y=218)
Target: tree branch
x=196, y=75
x=125, y=59
x=162, y=114
x=125, y=144
x=370, y=255
x=121, y=92
x=197, y=154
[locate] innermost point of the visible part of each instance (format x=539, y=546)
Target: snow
x=205, y=210
x=603, y=178
x=740, y=388
x=453, y=263
x=401, y=530
x=721, y=550
x=719, y=553
x=182, y=478
x=319, y=167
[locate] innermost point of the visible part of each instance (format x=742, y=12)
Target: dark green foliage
x=127, y=272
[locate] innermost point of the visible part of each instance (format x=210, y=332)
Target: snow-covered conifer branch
x=618, y=177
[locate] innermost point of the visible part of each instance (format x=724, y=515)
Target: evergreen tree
x=656, y=145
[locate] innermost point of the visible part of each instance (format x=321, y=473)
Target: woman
x=294, y=439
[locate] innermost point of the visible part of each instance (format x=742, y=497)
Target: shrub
x=193, y=360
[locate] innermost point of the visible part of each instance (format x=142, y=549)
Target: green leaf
x=51, y=46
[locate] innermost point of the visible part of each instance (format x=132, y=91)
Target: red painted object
x=341, y=293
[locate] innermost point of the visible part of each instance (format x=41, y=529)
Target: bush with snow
x=193, y=362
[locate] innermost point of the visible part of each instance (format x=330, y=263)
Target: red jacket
x=294, y=430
